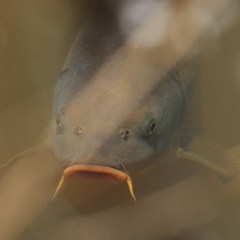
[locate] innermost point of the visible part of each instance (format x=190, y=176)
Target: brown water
x=34, y=40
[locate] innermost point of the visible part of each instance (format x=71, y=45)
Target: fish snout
x=97, y=173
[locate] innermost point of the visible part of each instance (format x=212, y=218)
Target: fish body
x=147, y=132
x=115, y=106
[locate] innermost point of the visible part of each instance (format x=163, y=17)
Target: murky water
x=34, y=40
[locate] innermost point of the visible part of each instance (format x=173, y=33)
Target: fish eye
x=148, y=125
x=152, y=126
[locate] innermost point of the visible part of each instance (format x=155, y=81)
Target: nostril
x=124, y=133
x=77, y=131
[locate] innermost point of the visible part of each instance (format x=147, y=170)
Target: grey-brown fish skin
x=148, y=132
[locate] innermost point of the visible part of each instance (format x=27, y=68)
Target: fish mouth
x=97, y=172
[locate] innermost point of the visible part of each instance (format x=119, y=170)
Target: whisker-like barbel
x=59, y=187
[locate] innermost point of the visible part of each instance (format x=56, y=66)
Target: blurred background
x=35, y=37
x=34, y=41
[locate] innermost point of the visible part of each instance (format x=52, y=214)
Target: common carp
x=97, y=129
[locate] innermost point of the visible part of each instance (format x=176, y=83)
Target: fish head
x=93, y=137
x=82, y=134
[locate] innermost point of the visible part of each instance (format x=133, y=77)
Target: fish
x=91, y=134
x=149, y=132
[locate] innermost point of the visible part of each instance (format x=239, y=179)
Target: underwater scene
x=119, y=120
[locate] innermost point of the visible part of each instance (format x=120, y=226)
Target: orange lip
x=104, y=170
x=118, y=175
